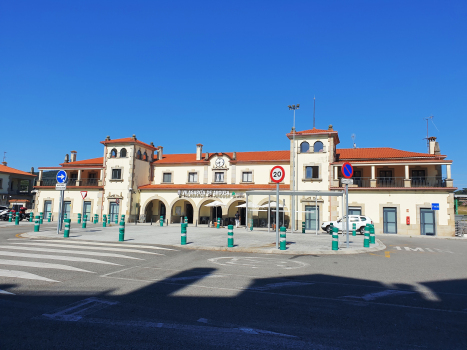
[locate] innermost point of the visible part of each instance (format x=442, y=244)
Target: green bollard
x=161, y=220
x=65, y=216
x=41, y=220
x=230, y=239
x=66, y=233
x=121, y=234
x=282, y=240
x=85, y=218
x=79, y=218
x=49, y=217
x=96, y=218
x=183, y=237
x=37, y=224
x=366, y=240
x=10, y=215
x=108, y=220
x=335, y=238
x=354, y=229
x=31, y=217
x=104, y=220
x=372, y=234
x=218, y=222
x=17, y=219
x=303, y=226
x=251, y=224
x=331, y=226
x=186, y=220
x=116, y=219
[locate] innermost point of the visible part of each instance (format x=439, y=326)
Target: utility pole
x=293, y=107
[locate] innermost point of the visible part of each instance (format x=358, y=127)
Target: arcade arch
x=182, y=207
x=154, y=207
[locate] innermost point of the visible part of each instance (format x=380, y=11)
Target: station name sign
x=209, y=193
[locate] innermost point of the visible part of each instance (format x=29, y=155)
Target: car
x=359, y=220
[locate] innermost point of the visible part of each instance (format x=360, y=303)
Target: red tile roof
x=84, y=162
x=380, y=153
x=7, y=169
x=128, y=140
x=315, y=131
x=265, y=156
x=212, y=187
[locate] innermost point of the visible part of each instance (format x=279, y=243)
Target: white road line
x=281, y=285
x=384, y=293
x=86, y=247
x=55, y=257
x=131, y=245
x=5, y=292
x=41, y=265
x=79, y=252
x=24, y=275
x=78, y=310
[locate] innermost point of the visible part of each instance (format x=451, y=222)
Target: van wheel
x=362, y=230
x=328, y=229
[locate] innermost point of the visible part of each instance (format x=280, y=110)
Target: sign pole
x=347, y=210
x=277, y=216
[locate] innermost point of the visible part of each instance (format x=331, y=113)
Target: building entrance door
x=389, y=220
x=47, y=209
x=87, y=210
x=242, y=213
x=427, y=222
x=113, y=212
x=189, y=213
x=67, y=209
x=311, y=217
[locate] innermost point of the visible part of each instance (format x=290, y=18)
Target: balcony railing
x=71, y=182
x=436, y=181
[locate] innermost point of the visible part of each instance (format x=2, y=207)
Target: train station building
x=397, y=189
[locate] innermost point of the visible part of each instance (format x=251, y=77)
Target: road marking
x=257, y=262
x=23, y=275
x=41, y=265
x=384, y=293
x=386, y=254
x=398, y=248
x=429, y=250
x=108, y=244
x=79, y=252
x=5, y=292
x=86, y=247
x=56, y=257
x=414, y=249
x=18, y=235
x=78, y=310
x=281, y=285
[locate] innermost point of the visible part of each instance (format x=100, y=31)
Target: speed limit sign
x=277, y=174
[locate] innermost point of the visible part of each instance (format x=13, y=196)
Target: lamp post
x=293, y=107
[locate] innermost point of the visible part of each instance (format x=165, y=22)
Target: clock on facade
x=219, y=162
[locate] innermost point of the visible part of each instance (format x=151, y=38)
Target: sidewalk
x=203, y=238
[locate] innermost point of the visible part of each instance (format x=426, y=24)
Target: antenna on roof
x=4, y=157
x=427, y=135
x=314, y=103
x=353, y=140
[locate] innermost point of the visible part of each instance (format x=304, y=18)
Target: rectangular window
x=355, y=211
x=192, y=177
x=167, y=177
x=87, y=210
x=116, y=174
x=312, y=172
x=247, y=176
x=389, y=220
x=219, y=176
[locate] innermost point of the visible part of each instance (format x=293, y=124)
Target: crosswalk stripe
x=41, y=265
x=23, y=275
x=85, y=247
x=106, y=244
x=56, y=257
x=79, y=252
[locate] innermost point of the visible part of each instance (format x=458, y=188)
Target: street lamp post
x=293, y=107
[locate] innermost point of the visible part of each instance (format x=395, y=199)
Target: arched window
x=145, y=156
x=123, y=153
x=318, y=146
x=304, y=147
x=138, y=154
x=113, y=153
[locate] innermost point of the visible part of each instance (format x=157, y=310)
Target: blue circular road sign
x=61, y=177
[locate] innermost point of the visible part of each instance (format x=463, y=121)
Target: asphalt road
x=68, y=294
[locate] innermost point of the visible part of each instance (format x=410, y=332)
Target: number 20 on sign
x=277, y=174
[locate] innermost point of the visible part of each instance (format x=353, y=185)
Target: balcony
x=92, y=182
x=396, y=182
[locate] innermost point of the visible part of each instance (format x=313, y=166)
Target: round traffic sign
x=61, y=177
x=347, y=170
x=277, y=174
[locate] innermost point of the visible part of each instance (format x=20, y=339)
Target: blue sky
x=178, y=73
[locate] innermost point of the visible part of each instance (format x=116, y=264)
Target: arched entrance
x=233, y=210
x=180, y=209
x=209, y=214
x=154, y=210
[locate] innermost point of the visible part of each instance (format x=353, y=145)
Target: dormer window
x=318, y=147
x=113, y=153
x=304, y=147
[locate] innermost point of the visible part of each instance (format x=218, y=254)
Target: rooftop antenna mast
x=353, y=139
x=427, y=135
x=314, y=103
x=4, y=156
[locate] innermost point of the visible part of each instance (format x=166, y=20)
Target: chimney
x=234, y=156
x=432, y=145
x=159, y=152
x=73, y=156
x=134, y=137
x=67, y=158
x=199, y=151
x=32, y=170
x=4, y=163
x=206, y=156
x=330, y=127
x=107, y=138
